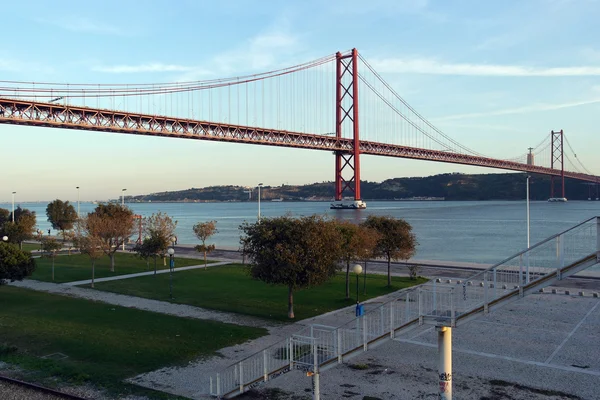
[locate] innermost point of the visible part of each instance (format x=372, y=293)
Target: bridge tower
x=557, y=157
x=347, y=115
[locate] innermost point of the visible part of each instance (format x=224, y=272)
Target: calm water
x=483, y=232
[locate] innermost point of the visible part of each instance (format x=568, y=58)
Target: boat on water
x=557, y=200
x=279, y=199
x=355, y=205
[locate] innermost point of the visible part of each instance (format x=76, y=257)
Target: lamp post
x=123, y=205
x=528, y=231
x=13, y=206
x=77, y=187
x=357, y=269
x=171, y=252
x=5, y=238
x=259, y=186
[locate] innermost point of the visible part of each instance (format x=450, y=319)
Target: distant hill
x=455, y=186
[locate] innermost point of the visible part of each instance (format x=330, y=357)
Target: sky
x=495, y=76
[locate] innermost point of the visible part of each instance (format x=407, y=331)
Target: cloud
x=149, y=67
x=84, y=25
x=435, y=67
x=519, y=110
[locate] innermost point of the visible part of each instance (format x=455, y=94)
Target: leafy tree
x=51, y=246
x=152, y=246
x=22, y=229
x=159, y=228
x=90, y=246
x=204, y=230
x=61, y=215
x=358, y=243
x=112, y=224
x=4, y=217
x=15, y=264
x=396, y=240
x=297, y=253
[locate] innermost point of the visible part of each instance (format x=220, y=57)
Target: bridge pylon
x=557, y=157
x=347, y=116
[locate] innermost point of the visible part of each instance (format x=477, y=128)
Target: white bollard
x=445, y=362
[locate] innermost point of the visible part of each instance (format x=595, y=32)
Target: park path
x=138, y=274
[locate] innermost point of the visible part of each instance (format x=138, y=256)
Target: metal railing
x=444, y=302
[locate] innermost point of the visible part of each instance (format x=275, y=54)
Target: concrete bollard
x=553, y=291
x=542, y=290
x=567, y=292
x=582, y=293
x=504, y=287
x=469, y=283
x=438, y=280
x=491, y=285
x=449, y=281
x=458, y=282
x=481, y=284
x=516, y=287
x=595, y=295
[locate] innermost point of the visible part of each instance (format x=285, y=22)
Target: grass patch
x=359, y=367
x=104, y=344
x=230, y=288
x=77, y=267
x=31, y=246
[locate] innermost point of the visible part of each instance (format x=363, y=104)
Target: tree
x=15, y=264
x=61, y=215
x=297, y=253
x=112, y=224
x=159, y=229
x=358, y=243
x=152, y=246
x=4, y=217
x=22, y=229
x=51, y=246
x=204, y=230
x=91, y=246
x=396, y=240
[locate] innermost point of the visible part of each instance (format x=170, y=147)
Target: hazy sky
x=494, y=75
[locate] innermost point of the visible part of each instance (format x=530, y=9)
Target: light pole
x=13, y=206
x=77, y=201
x=171, y=252
x=5, y=238
x=123, y=205
x=259, y=186
x=528, y=230
x=357, y=269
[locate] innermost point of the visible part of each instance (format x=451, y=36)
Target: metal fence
x=443, y=302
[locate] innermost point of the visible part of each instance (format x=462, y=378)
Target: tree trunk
x=93, y=270
x=112, y=262
x=20, y=245
x=389, y=272
x=347, y=279
x=155, y=264
x=53, y=268
x=365, y=279
x=147, y=265
x=205, y=259
x=290, y=302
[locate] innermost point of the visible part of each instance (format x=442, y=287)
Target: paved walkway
x=161, y=271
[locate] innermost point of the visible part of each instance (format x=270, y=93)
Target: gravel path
x=10, y=391
x=180, y=310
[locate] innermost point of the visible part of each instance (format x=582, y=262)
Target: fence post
x=598, y=237
x=495, y=284
x=339, y=345
x=452, y=309
x=420, y=307
x=392, y=319
x=241, y=379
x=434, y=298
x=485, y=293
x=381, y=324
x=218, y=384
x=291, y=354
x=265, y=368
x=407, y=308
x=211, y=387
x=521, y=270
x=364, y=332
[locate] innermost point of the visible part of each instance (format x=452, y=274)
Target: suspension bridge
x=338, y=103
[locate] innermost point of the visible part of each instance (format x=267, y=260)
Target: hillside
x=455, y=186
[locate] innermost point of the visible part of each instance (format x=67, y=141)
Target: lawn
x=31, y=246
x=103, y=343
x=230, y=288
x=78, y=267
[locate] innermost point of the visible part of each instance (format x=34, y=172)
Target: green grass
x=104, y=344
x=230, y=288
x=31, y=246
x=77, y=267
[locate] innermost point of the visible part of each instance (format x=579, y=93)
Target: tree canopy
x=297, y=253
x=396, y=240
x=22, y=229
x=358, y=243
x=61, y=215
x=112, y=224
x=204, y=230
x=15, y=264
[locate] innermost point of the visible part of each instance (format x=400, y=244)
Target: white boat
x=355, y=205
x=557, y=199
x=279, y=199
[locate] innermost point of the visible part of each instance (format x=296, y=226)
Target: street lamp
x=77, y=201
x=5, y=238
x=528, y=210
x=123, y=205
x=259, y=186
x=171, y=252
x=14, y=206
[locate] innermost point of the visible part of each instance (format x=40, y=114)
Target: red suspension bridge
x=312, y=106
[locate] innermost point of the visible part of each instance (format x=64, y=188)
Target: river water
x=461, y=231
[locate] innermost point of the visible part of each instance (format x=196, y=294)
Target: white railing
x=443, y=302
